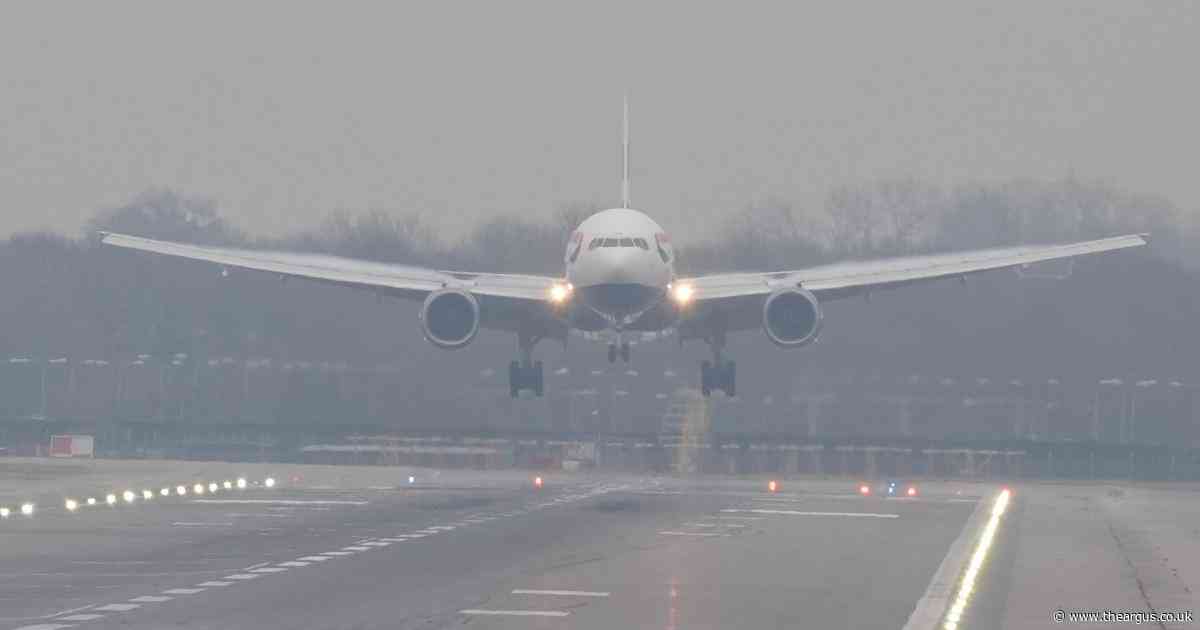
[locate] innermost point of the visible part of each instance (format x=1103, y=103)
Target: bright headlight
x=560, y=292
x=682, y=293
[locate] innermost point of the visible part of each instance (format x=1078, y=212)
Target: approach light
x=180, y=490
x=91, y=501
x=166, y=492
x=270, y=482
x=111, y=499
x=128, y=496
x=228, y=485
x=147, y=495
x=27, y=509
x=4, y=512
x=71, y=505
x=212, y=487
x=198, y=489
x=241, y=483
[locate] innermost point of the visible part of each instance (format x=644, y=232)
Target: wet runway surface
x=584, y=551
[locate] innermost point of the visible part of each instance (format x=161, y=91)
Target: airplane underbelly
x=619, y=299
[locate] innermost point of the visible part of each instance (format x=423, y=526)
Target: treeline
x=1119, y=314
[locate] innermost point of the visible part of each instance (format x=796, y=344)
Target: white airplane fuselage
x=619, y=263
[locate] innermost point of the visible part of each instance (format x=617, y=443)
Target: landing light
x=682, y=293
x=412, y=479
x=560, y=292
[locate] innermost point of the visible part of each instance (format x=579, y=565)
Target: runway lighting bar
x=71, y=505
x=128, y=496
x=4, y=512
x=91, y=501
x=180, y=490
x=27, y=509
x=412, y=479
x=228, y=485
x=212, y=487
x=198, y=488
x=241, y=483
x=270, y=482
x=111, y=499
x=166, y=492
x=147, y=495
x=967, y=585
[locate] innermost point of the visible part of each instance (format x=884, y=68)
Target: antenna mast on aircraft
x=625, y=153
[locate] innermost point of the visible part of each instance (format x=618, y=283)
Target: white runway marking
x=46, y=626
x=269, y=570
x=743, y=518
x=214, y=583
x=312, y=559
x=183, y=591
x=84, y=617
x=240, y=576
x=379, y=543
x=517, y=613
x=202, y=524
x=356, y=548
x=394, y=540
x=281, y=501
x=798, y=513
x=118, y=607
x=529, y=591
x=673, y=533
x=150, y=599
x=293, y=563
x=255, y=566
x=936, y=600
x=338, y=553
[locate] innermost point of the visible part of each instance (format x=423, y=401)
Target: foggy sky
x=460, y=110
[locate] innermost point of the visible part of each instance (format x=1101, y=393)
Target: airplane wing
x=500, y=295
x=839, y=280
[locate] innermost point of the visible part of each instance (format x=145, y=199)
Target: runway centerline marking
x=268, y=570
x=531, y=591
x=46, y=626
x=313, y=559
x=799, y=513
x=281, y=501
x=338, y=553
x=516, y=613
x=214, y=583
x=241, y=576
x=255, y=566
x=183, y=591
x=355, y=548
x=293, y=563
x=150, y=599
x=83, y=617
x=675, y=533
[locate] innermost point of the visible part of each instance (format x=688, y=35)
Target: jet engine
x=450, y=318
x=791, y=317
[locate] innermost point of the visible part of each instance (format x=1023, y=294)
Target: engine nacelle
x=450, y=318
x=792, y=317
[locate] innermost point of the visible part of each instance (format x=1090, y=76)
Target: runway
x=596, y=551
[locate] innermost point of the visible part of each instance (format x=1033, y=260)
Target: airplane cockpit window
x=626, y=242
x=641, y=242
x=611, y=242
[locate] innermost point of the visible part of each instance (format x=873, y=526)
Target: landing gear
x=722, y=376
x=718, y=374
x=625, y=352
x=526, y=374
x=528, y=377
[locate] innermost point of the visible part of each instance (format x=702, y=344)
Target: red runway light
x=912, y=492
x=772, y=485
x=537, y=482
x=864, y=489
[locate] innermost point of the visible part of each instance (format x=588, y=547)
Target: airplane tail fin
x=625, y=153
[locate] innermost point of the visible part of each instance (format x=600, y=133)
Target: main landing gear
x=526, y=374
x=718, y=374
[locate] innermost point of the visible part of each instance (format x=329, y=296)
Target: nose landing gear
x=718, y=374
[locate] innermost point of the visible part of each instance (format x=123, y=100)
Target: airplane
x=619, y=280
